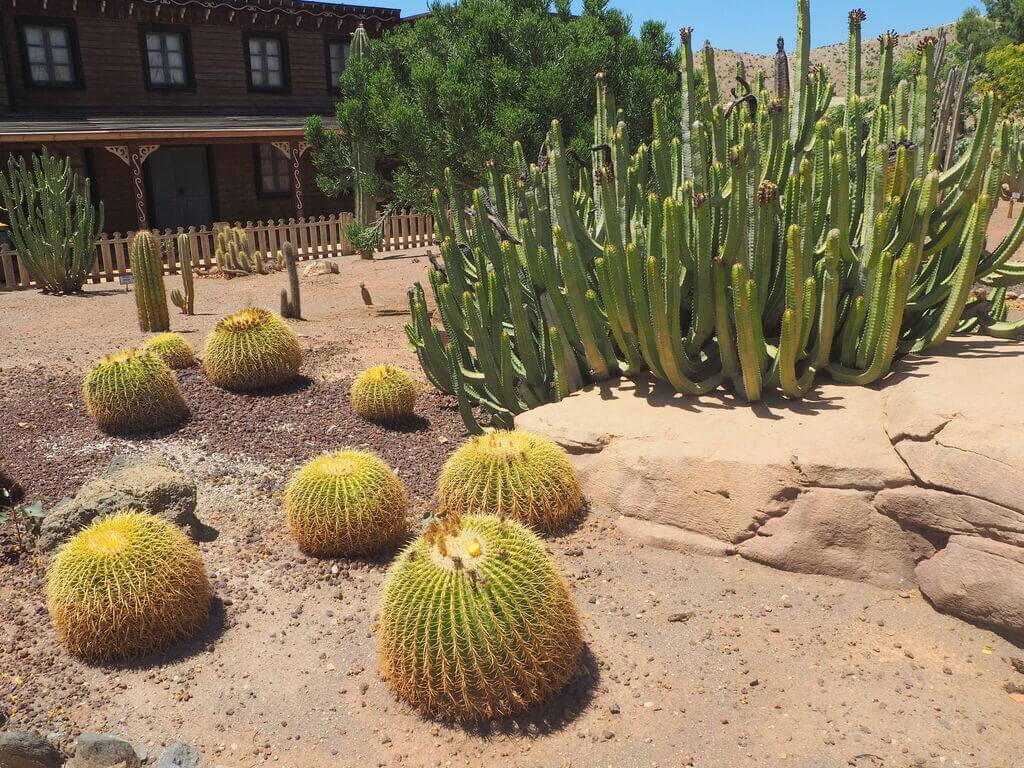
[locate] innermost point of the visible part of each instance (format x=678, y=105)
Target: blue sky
x=753, y=25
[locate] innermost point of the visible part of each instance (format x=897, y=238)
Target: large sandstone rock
x=147, y=483
x=835, y=532
x=951, y=513
x=25, y=749
x=859, y=483
x=977, y=579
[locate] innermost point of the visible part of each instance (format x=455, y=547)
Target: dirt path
x=716, y=663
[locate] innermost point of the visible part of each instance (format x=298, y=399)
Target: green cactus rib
x=147, y=265
x=755, y=244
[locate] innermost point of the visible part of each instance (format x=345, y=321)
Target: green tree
x=976, y=35
x=1004, y=75
x=456, y=88
x=1009, y=15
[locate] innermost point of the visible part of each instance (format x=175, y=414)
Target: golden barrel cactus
x=476, y=621
x=345, y=503
x=511, y=474
x=133, y=391
x=251, y=350
x=384, y=393
x=172, y=349
x=127, y=585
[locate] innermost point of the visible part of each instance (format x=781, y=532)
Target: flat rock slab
x=860, y=483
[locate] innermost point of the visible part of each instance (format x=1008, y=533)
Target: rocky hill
x=831, y=56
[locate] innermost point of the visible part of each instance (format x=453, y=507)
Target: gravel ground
x=691, y=661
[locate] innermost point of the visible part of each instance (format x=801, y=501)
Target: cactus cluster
x=251, y=350
x=511, y=474
x=147, y=263
x=384, y=393
x=235, y=257
x=345, y=503
x=185, y=301
x=127, y=585
x=133, y=391
x=759, y=246
x=172, y=349
x=476, y=621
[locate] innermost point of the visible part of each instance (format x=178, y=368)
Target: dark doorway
x=179, y=183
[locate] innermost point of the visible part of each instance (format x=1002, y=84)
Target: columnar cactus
x=760, y=247
x=251, y=350
x=127, y=585
x=511, y=474
x=291, y=303
x=147, y=265
x=363, y=160
x=384, y=393
x=133, y=391
x=345, y=503
x=476, y=621
x=185, y=301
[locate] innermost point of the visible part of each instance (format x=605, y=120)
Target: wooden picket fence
x=313, y=238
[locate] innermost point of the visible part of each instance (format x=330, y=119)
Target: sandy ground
x=717, y=663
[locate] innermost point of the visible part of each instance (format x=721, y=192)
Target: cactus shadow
x=198, y=644
x=555, y=714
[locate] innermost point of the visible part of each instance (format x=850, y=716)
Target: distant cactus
x=233, y=255
x=345, y=503
x=511, y=474
x=291, y=303
x=148, y=271
x=185, y=301
x=127, y=585
x=172, y=349
x=251, y=350
x=384, y=393
x=476, y=621
x=133, y=391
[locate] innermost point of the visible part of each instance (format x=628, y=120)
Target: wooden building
x=181, y=112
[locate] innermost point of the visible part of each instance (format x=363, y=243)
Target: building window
x=50, y=54
x=337, y=55
x=273, y=172
x=267, y=59
x=168, y=56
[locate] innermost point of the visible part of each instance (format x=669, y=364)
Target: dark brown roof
x=28, y=130
x=308, y=7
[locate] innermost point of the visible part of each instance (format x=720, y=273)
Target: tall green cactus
x=762, y=246
x=291, y=302
x=148, y=270
x=52, y=220
x=185, y=301
x=363, y=160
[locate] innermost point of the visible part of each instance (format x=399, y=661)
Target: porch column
x=134, y=156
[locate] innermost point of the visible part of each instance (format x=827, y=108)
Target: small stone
x=614, y=709
x=681, y=617
x=180, y=755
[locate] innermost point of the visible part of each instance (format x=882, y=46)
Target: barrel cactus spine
x=476, y=621
x=133, y=391
x=251, y=350
x=345, y=503
x=517, y=475
x=173, y=349
x=147, y=265
x=384, y=393
x=127, y=585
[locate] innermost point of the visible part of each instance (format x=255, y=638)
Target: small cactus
x=251, y=350
x=127, y=585
x=291, y=303
x=172, y=349
x=185, y=300
x=476, y=621
x=345, y=503
x=148, y=270
x=133, y=391
x=384, y=393
x=511, y=474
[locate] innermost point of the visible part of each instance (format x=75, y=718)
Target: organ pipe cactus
x=185, y=300
x=147, y=264
x=291, y=302
x=363, y=161
x=759, y=247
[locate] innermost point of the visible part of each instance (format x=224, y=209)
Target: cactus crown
x=247, y=319
x=857, y=17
